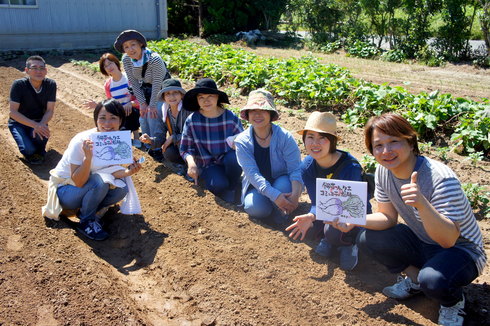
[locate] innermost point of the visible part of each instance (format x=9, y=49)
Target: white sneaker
x=404, y=288
x=452, y=316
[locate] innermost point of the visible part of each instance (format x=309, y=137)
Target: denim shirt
x=285, y=159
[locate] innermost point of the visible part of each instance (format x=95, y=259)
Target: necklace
x=265, y=138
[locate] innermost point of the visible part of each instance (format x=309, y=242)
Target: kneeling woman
x=82, y=185
x=270, y=159
x=439, y=248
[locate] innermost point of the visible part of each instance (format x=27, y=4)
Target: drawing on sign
x=112, y=147
x=334, y=206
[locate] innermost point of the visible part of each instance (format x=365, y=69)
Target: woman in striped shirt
x=439, y=248
x=146, y=72
x=117, y=87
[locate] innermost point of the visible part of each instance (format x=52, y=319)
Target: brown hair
x=110, y=57
x=331, y=138
x=393, y=125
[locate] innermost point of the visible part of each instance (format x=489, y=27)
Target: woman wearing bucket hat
x=324, y=160
x=117, y=86
x=204, y=143
x=146, y=72
x=270, y=159
x=173, y=119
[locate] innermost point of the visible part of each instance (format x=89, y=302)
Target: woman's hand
x=143, y=109
x=87, y=147
x=193, y=172
x=167, y=143
x=128, y=108
x=133, y=168
x=90, y=104
x=411, y=194
x=342, y=227
x=282, y=201
x=152, y=111
x=301, y=225
x=145, y=139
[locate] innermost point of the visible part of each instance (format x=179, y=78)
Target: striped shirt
x=119, y=90
x=205, y=138
x=154, y=75
x=440, y=185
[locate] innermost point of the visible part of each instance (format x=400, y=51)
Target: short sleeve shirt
x=33, y=105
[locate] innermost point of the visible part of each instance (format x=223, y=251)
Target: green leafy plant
x=475, y=157
x=425, y=147
x=368, y=163
x=442, y=153
x=83, y=63
x=395, y=55
x=479, y=198
x=362, y=50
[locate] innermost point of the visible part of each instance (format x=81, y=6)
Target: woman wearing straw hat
x=146, y=72
x=204, y=143
x=173, y=119
x=270, y=159
x=324, y=160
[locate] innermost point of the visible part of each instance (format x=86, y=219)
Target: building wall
x=77, y=24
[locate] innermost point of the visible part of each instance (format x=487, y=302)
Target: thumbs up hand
x=411, y=194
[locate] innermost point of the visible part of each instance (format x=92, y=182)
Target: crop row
x=307, y=83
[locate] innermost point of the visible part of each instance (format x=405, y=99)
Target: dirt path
x=190, y=259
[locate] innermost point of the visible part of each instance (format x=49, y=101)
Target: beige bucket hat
x=323, y=122
x=260, y=99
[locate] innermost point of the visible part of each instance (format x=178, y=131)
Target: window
x=18, y=3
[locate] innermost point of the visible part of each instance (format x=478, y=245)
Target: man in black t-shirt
x=32, y=101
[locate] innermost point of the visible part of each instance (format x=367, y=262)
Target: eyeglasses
x=37, y=68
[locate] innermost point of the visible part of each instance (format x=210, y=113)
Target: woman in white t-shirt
x=90, y=188
x=118, y=87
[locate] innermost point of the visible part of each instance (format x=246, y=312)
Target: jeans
x=259, y=206
x=93, y=196
x=337, y=238
x=443, y=271
x=222, y=179
x=172, y=154
x=153, y=127
x=27, y=144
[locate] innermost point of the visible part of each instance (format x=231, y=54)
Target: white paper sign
x=112, y=147
x=345, y=200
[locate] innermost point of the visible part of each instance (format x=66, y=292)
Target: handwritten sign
x=112, y=147
x=342, y=200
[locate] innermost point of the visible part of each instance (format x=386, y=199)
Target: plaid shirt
x=205, y=138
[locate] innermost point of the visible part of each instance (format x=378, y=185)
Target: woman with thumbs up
x=439, y=247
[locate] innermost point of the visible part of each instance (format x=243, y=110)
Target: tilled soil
x=190, y=259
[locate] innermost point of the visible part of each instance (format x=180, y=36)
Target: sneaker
x=136, y=143
x=36, y=159
x=348, y=257
x=92, y=230
x=324, y=248
x=404, y=288
x=452, y=316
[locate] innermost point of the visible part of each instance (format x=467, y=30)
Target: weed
x=479, y=198
x=442, y=153
x=368, y=163
x=83, y=63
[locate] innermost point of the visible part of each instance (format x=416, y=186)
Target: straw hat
x=323, y=122
x=260, y=99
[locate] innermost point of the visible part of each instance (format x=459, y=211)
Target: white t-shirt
x=74, y=155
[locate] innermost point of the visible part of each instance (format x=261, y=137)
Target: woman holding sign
x=439, y=247
x=80, y=184
x=324, y=160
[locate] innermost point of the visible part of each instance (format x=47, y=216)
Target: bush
x=394, y=55
x=362, y=49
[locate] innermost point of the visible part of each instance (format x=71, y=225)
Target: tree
x=485, y=22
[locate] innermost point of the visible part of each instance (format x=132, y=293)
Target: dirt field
x=190, y=259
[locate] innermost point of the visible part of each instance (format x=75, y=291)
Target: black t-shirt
x=23, y=93
x=329, y=172
x=263, y=158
